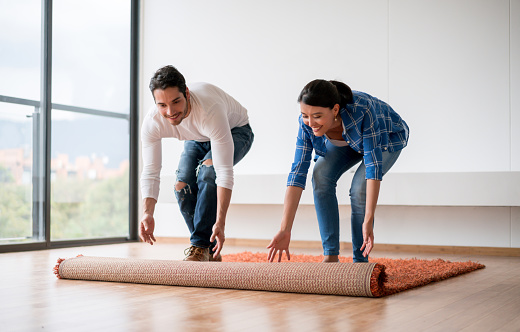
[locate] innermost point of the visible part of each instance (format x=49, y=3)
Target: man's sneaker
x=196, y=254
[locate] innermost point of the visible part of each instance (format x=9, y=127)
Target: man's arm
x=147, y=224
x=151, y=136
x=223, y=200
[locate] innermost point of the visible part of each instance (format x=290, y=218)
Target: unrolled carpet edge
x=377, y=280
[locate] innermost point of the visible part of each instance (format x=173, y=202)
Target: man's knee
x=180, y=185
x=206, y=172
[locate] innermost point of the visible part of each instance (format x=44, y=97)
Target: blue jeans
x=198, y=199
x=326, y=173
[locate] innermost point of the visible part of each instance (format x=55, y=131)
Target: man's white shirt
x=213, y=114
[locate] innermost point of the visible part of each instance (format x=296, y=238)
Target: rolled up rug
x=350, y=279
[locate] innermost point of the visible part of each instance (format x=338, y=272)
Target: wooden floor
x=33, y=299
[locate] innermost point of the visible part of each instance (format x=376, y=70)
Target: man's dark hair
x=168, y=77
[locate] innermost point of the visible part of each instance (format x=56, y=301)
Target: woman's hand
x=278, y=245
x=281, y=240
x=368, y=238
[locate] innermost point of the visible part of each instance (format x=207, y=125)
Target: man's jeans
x=326, y=173
x=198, y=199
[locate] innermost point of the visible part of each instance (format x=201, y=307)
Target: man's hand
x=368, y=238
x=218, y=234
x=146, y=228
x=278, y=245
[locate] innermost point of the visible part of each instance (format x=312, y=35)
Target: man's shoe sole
x=218, y=259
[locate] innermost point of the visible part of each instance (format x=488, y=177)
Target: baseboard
x=451, y=250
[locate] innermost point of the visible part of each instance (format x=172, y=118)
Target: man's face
x=172, y=104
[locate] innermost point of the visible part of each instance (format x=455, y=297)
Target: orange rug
x=401, y=274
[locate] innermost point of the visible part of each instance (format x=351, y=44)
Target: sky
x=91, y=68
x=91, y=52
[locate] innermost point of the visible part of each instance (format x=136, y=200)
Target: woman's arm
x=295, y=185
x=370, y=209
x=281, y=240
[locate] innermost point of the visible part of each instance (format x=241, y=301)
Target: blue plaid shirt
x=371, y=126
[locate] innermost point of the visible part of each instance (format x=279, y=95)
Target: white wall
x=450, y=68
x=515, y=84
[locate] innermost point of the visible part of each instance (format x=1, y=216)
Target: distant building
x=16, y=165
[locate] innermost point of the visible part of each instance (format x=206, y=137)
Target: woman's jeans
x=327, y=171
x=198, y=199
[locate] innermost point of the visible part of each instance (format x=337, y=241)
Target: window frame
x=42, y=128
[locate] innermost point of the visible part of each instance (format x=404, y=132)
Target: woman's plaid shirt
x=370, y=126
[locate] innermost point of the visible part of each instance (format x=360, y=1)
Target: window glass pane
x=16, y=151
x=89, y=153
x=91, y=54
x=89, y=176
x=20, y=48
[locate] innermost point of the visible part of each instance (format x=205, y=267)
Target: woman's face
x=320, y=119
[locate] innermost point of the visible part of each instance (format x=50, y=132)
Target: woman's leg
x=326, y=173
x=358, y=202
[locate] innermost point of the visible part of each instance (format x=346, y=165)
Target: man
x=217, y=135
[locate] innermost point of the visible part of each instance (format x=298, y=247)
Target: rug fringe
x=377, y=280
x=56, y=268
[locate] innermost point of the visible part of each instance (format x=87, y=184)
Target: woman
x=343, y=127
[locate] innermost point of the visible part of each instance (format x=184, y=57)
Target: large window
x=16, y=169
x=68, y=122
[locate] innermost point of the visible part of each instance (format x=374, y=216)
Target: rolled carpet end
x=377, y=280
x=56, y=268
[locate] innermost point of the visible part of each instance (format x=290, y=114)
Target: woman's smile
x=320, y=119
x=316, y=129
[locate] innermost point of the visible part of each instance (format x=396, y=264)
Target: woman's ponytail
x=324, y=93
x=345, y=93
